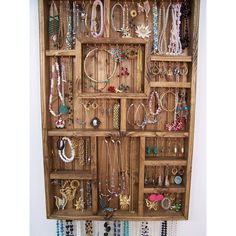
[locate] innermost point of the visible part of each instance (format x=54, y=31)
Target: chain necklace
x=53, y=27
x=69, y=34
x=89, y=194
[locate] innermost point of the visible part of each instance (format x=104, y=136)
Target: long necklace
x=69, y=33
x=69, y=228
x=54, y=22
x=155, y=27
x=145, y=229
x=175, y=47
x=61, y=150
x=164, y=228
x=94, y=27
x=126, y=228
x=60, y=228
x=117, y=228
x=162, y=39
x=60, y=85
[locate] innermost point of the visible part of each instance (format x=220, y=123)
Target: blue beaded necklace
x=126, y=228
x=60, y=228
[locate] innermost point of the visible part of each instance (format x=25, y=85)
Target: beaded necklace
x=69, y=33
x=164, y=228
x=145, y=229
x=155, y=27
x=117, y=228
x=69, y=228
x=94, y=32
x=60, y=228
x=126, y=228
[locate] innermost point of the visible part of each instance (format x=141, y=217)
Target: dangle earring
x=167, y=182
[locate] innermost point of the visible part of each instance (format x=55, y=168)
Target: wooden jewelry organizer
x=114, y=149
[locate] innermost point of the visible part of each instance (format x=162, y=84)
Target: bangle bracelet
x=161, y=101
x=93, y=19
x=62, y=154
x=85, y=70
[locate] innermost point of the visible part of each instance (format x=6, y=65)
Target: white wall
x=196, y=226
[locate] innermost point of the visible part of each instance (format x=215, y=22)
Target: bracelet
x=161, y=101
x=112, y=17
x=62, y=154
x=93, y=19
x=113, y=71
x=152, y=95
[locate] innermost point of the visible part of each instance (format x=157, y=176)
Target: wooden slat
x=169, y=190
x=165, y=162
x=195, y=25
x=112, y=41
x=114, y=95
x=170, y=84
x=68, y=174
x=51, y=53
x=141, y=175
x=171, y=58
x=79, y=133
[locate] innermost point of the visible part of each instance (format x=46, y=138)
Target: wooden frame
x=48, y=132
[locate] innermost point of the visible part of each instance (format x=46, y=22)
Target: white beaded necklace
x=62, y=153
x=56, y=72
x=175, y=47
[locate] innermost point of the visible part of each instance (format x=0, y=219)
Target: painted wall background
x=39, y=225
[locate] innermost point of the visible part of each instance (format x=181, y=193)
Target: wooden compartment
x=157, y=72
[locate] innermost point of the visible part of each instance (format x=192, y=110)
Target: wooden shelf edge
x=67, y=174
x=86, y=40
x=169, y=190
x=170, y=84
x=171, y=58
x=99, y=133
x=60, y=53
x=165, y=162
x=113, y=95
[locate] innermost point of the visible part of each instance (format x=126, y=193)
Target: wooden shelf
x=68, y=174
x=171, y=58
x=170, y=84
x=86, y=40
x=99, y=133
x=172, y=189
x=113, y=95
x=51, y=53
x=152, y=161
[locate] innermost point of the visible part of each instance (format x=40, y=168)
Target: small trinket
x=156, y=197
x=63, y=109
x=61, y=202
x=69, y=189
x=143, y=31
x=176, y=206
x=166, y=203
x=95, y=122
x=178, y=179
x=60, y=124
x=79, y=204
x=111, y=89
x=152, y=205
x=124, y=201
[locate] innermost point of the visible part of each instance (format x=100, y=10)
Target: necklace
x=116, y=116
x=145, y=230
x=89, y=194
x=126, y=228
x=60, y=86
x=69, y=34
x=175, y=47
x=116, y=228
x=94, y=27
x=155, y=27
x=60, y=228
x=164, y=228
x=61, y=150
x=112, y=17
x=162, y=39
x=125, y=28
x=53, y=28
x=69, y=228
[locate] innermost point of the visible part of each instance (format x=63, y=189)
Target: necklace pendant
x=79, y=205
x=63, y=109
x=126, y=33
x=124, y=201
x=60, y=202
x=60, y=124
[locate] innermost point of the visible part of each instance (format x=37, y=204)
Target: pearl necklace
x=93, y=19
x=175, y=47
x=56, y=72
x=61, y=150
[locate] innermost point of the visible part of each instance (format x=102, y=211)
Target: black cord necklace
x=164, y=228
x=69, y=228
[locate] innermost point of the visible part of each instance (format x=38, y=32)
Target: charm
x=124, y=201
x=178, y=179
x=116, y=54
x=63, y=109
x=133, y=13
x=111, y=89
x=176, y=206
x=79, y=204
x=152, y=205
x=61, y=202
x=166, y=203
x=60, y=124
x=126, y=33
x=95, y=122
x=155, y=197
x=143, y=31
x=69, y=191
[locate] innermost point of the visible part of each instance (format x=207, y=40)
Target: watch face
x=178, y=179
x=95, y=122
